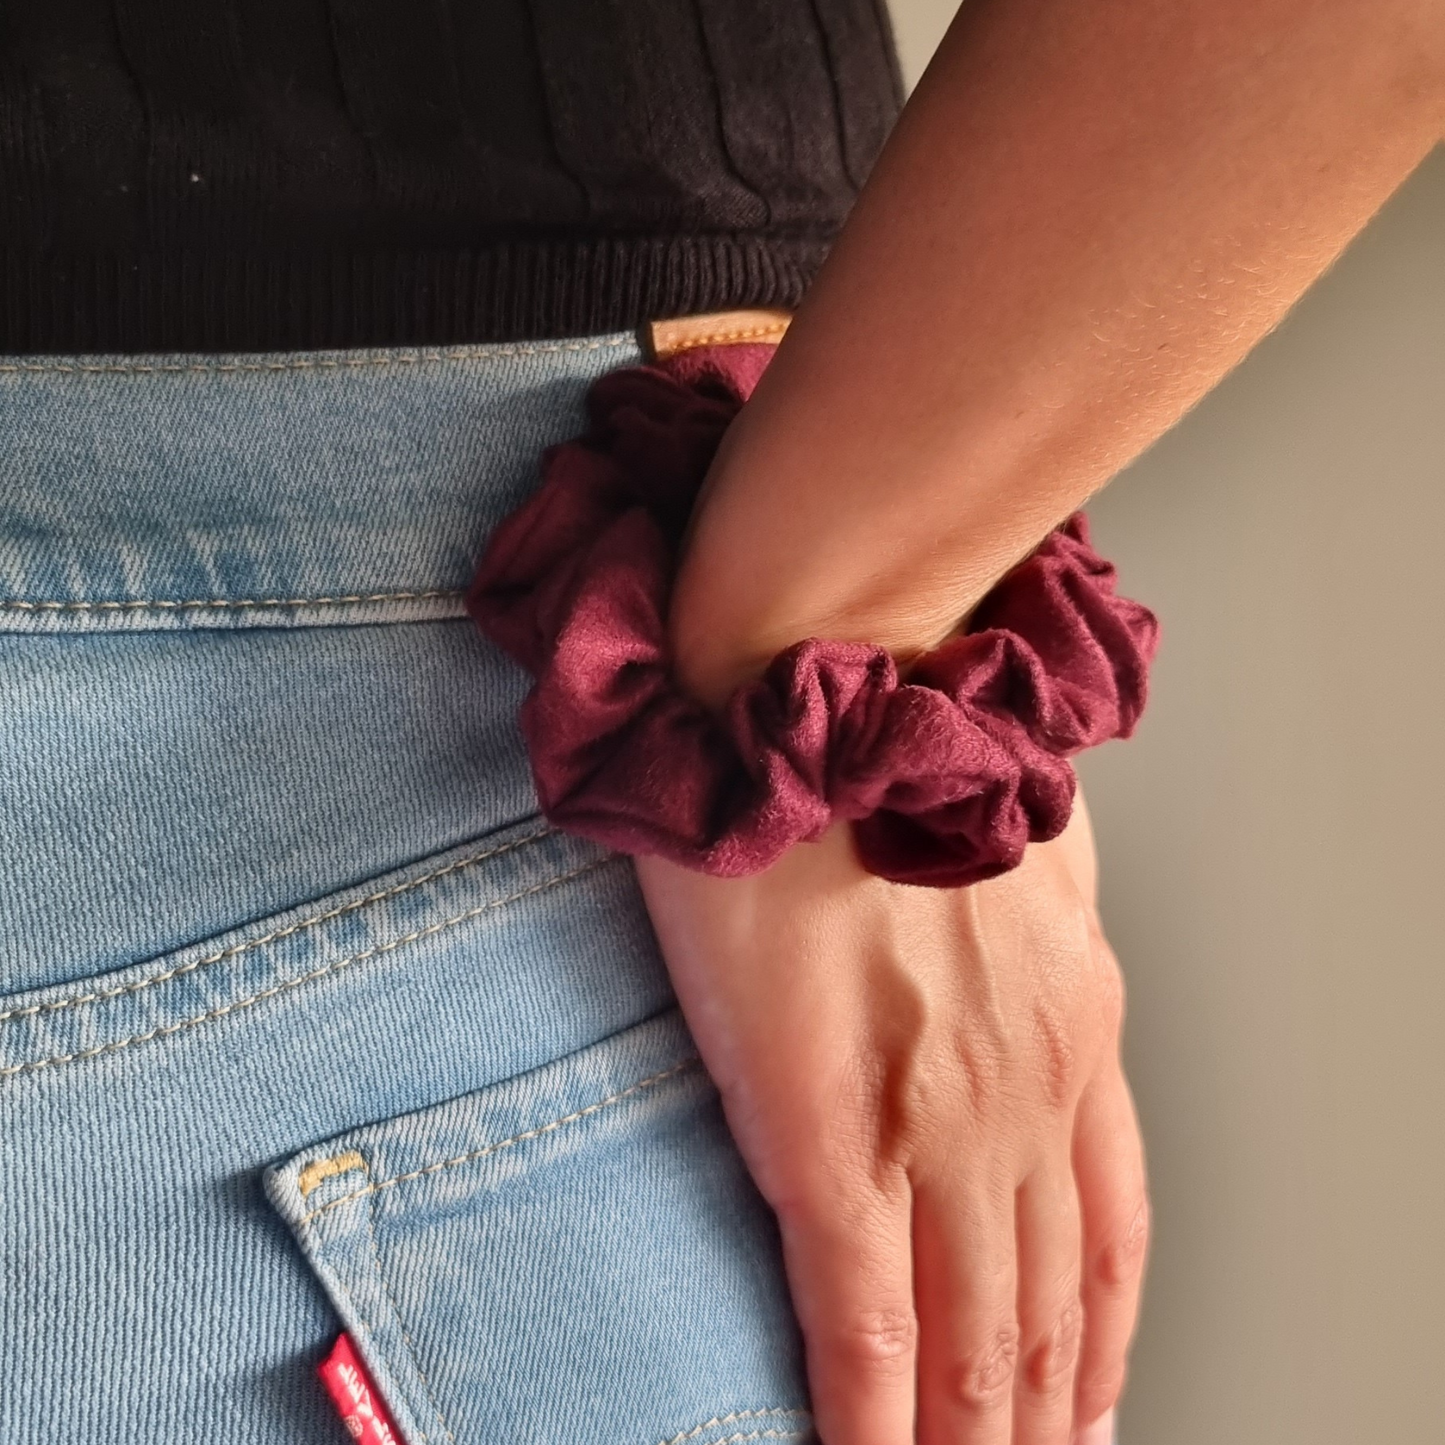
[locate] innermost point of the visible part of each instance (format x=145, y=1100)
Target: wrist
x=771, y=558
x=715, y=652
x=733, y=608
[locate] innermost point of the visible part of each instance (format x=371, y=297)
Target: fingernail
x=1101, y=1432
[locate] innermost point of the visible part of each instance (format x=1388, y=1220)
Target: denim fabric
x=306, y=1020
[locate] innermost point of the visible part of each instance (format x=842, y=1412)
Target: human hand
x=926, y=1087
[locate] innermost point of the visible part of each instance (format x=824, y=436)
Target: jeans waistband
x=288, y=490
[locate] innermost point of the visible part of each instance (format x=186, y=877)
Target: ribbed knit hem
x=505, y=291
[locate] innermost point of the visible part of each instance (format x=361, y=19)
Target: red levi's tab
x=362, y=1409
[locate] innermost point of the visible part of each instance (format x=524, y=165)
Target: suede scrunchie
x=945, y=776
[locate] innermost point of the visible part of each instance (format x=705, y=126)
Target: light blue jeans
x=306, y=1021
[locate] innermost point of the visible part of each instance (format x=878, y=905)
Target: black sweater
x=265, y=174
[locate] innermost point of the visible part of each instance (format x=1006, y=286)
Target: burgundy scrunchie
x=946, y=776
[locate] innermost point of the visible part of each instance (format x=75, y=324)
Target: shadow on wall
x=1272, y=856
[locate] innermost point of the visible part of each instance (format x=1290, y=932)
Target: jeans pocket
x=573, y=1254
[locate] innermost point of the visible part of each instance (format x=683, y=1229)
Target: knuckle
x=1076, y=1015
x=982, y=1077
x=1110, y=988
x=1050, y=1363
x=1059, y=1061
x=879, y=1116
x=983, y=1378
x=1121, y=1261
x=880, y=1343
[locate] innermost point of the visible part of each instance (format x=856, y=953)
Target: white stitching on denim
x=314, y=921
x=762, y=1435
x=377, y=1185
x=400, y=1323
x=165, y=1030
x=364, y=1325
x=318, y=363
x=165, y=605
x=729, y=1419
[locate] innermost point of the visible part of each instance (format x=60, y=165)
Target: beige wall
x=1273, y=863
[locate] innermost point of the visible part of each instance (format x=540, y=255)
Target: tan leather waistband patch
x=665, y=338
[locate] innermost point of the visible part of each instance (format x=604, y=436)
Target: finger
x=1109, y=1170
x=1050, y=1315
x=1101, y=1432
x=849, y=1266
x=964, y=1289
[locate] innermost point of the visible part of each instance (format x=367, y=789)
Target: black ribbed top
x=270, y=174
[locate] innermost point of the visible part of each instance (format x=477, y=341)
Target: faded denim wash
x=306, y=1021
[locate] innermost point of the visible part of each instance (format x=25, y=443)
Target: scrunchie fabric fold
x=946, y=776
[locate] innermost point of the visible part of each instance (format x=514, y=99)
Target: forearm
x=1086, y=216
